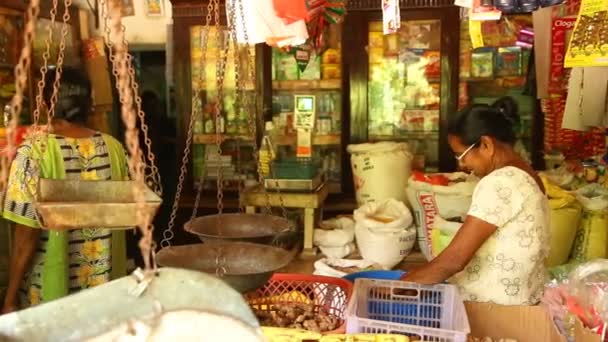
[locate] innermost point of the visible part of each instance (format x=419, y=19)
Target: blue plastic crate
x=378, y=274
x=428, y=312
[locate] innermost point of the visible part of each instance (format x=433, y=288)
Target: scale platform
x=304, y=185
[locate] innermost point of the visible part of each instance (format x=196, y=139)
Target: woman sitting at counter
x=498, y=254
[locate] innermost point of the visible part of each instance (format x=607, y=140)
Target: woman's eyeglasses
x=463, y=154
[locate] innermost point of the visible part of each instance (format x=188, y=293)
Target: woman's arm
x=24, y=246
x=457, y=255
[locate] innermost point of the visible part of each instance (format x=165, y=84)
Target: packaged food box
x=433, y=68
x=509, y=61
x=313, y=69
x=331, y=56
x=287, y=67
x=482, y=64
x=331, y=71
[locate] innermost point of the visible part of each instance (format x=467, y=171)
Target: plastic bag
x=338, y=252
x=428, y=200
x=442, y=234
x=588, y=293
x=383, y=232
x=591, y=240
x=561, y=177
x=335, y=233
x=329, y=267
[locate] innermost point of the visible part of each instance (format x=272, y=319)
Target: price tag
x=304, y=143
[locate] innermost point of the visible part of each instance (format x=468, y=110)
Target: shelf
x=211, y=138
x=316, y=140
x=307, y=85
x=406, y=135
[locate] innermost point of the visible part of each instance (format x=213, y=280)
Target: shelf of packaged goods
x=316, y=140
x=211, y=138
x=406, y=135
x=335, y=84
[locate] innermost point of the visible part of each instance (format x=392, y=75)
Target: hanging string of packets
x=321, y=13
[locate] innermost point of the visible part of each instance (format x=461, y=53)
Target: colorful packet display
x=509, y=61
x=482, y=63
x=589, y=42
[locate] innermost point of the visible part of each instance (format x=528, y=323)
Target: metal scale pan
x=73, y=204
x=256, y=228
x=248, y=265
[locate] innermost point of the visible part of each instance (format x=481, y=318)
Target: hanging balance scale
x=76, y=204
x=139, y=307
x=239, y=248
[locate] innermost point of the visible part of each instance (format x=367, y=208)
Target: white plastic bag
x=327, y=266
x=384, y=232
x=335, y=233
x=339, y=251
x=429, y=200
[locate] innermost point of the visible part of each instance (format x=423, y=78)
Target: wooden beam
x=18, y=5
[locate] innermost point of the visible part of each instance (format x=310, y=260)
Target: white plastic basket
x=432, y=313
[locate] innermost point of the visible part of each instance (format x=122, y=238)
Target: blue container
x=424, y=311
x=382, y=275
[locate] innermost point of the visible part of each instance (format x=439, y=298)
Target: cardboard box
x=522, y=323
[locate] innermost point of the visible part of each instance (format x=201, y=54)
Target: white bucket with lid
x=380, y=171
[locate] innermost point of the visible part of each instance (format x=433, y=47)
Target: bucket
x=380, y=171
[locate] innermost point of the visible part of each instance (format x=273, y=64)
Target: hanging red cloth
x=291, y=10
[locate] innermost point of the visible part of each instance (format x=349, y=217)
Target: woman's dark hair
x=74, y=96
x=498, y=120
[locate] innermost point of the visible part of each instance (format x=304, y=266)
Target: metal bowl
x=248, y=265
x=255, y=228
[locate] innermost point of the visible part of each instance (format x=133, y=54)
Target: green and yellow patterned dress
x=68, y=261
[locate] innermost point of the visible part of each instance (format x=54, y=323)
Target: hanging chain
x=120, y=68
x=39, y=136
x=250, y=111
x=220, y=71
x=253, y=126
x=238, y=102
x=21, y=73
x=168, y=234
x=199, y=99
x=153, y=179
x=44, y=68
x=60, y=57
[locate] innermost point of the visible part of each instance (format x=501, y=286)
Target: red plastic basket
x=331, y=294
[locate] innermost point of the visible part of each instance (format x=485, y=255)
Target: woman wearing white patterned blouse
x=498, y=254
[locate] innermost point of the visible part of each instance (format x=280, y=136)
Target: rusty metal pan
x=248, y=265
x=73, y=204
x=256, y=228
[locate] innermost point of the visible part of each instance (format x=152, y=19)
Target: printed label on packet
x=391, y=16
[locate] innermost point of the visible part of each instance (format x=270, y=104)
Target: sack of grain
x=384, y=232
x=429, y=200
x=565, y=219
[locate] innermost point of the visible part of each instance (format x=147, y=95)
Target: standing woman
x=499, y=252
x=49, y=265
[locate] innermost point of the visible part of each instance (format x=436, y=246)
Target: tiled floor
x=301, y=265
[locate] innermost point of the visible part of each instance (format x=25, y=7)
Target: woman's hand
x=418, y=275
